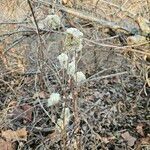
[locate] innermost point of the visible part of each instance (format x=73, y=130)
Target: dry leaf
x=20, y=112
x=41, y=95
x=55, y=136
x=143, y=23
x=139, y=129
x=127, y=137
x=1, y=49
x=16, y=113
x=4, y=145
x=28, y=112
x=64, y=1
x=12, y=104
x=18, y=135
x=147, y=75
x=136, y=39
x=107, y=139
x=145, y=141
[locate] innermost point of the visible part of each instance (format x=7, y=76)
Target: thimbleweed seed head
x=54, y=99
x=73, y=41
x=79, y=77
x=144, y=24
x=51, y=21
x=63, y=60
x=71, y=68
x=74, y=32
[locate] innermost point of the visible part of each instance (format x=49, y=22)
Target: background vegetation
x=94, y=96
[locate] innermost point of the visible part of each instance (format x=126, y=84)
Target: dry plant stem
x=21, y=114
x=95, y=60
x=5, y=23
x=37, y=29
x=64, y=139
x=108, y=38
x=75, y=108
x=40, y=51
x=76, y=116
x=91, y=128
x=75, y=99
x=15, y=32
x=9, y=87
x=108, y=76
x=148, y=6
x=40, y=60
x=89, y=17
x=56, y=72
x=121, y=47
x=102, y=71
x=63, y=131
x=14, y=43
x=102, y=77
x=38, y=99
x=131, y=15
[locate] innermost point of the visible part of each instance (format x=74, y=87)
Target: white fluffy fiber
x=54, y=99
x=79, y=77
x=63, y=60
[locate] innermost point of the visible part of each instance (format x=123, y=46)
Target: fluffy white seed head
x=74, y=32
x=63, y=60
x=54, y=99
x=79, y=77
x=71, y=68
x=51, y=21
x=73, y=40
